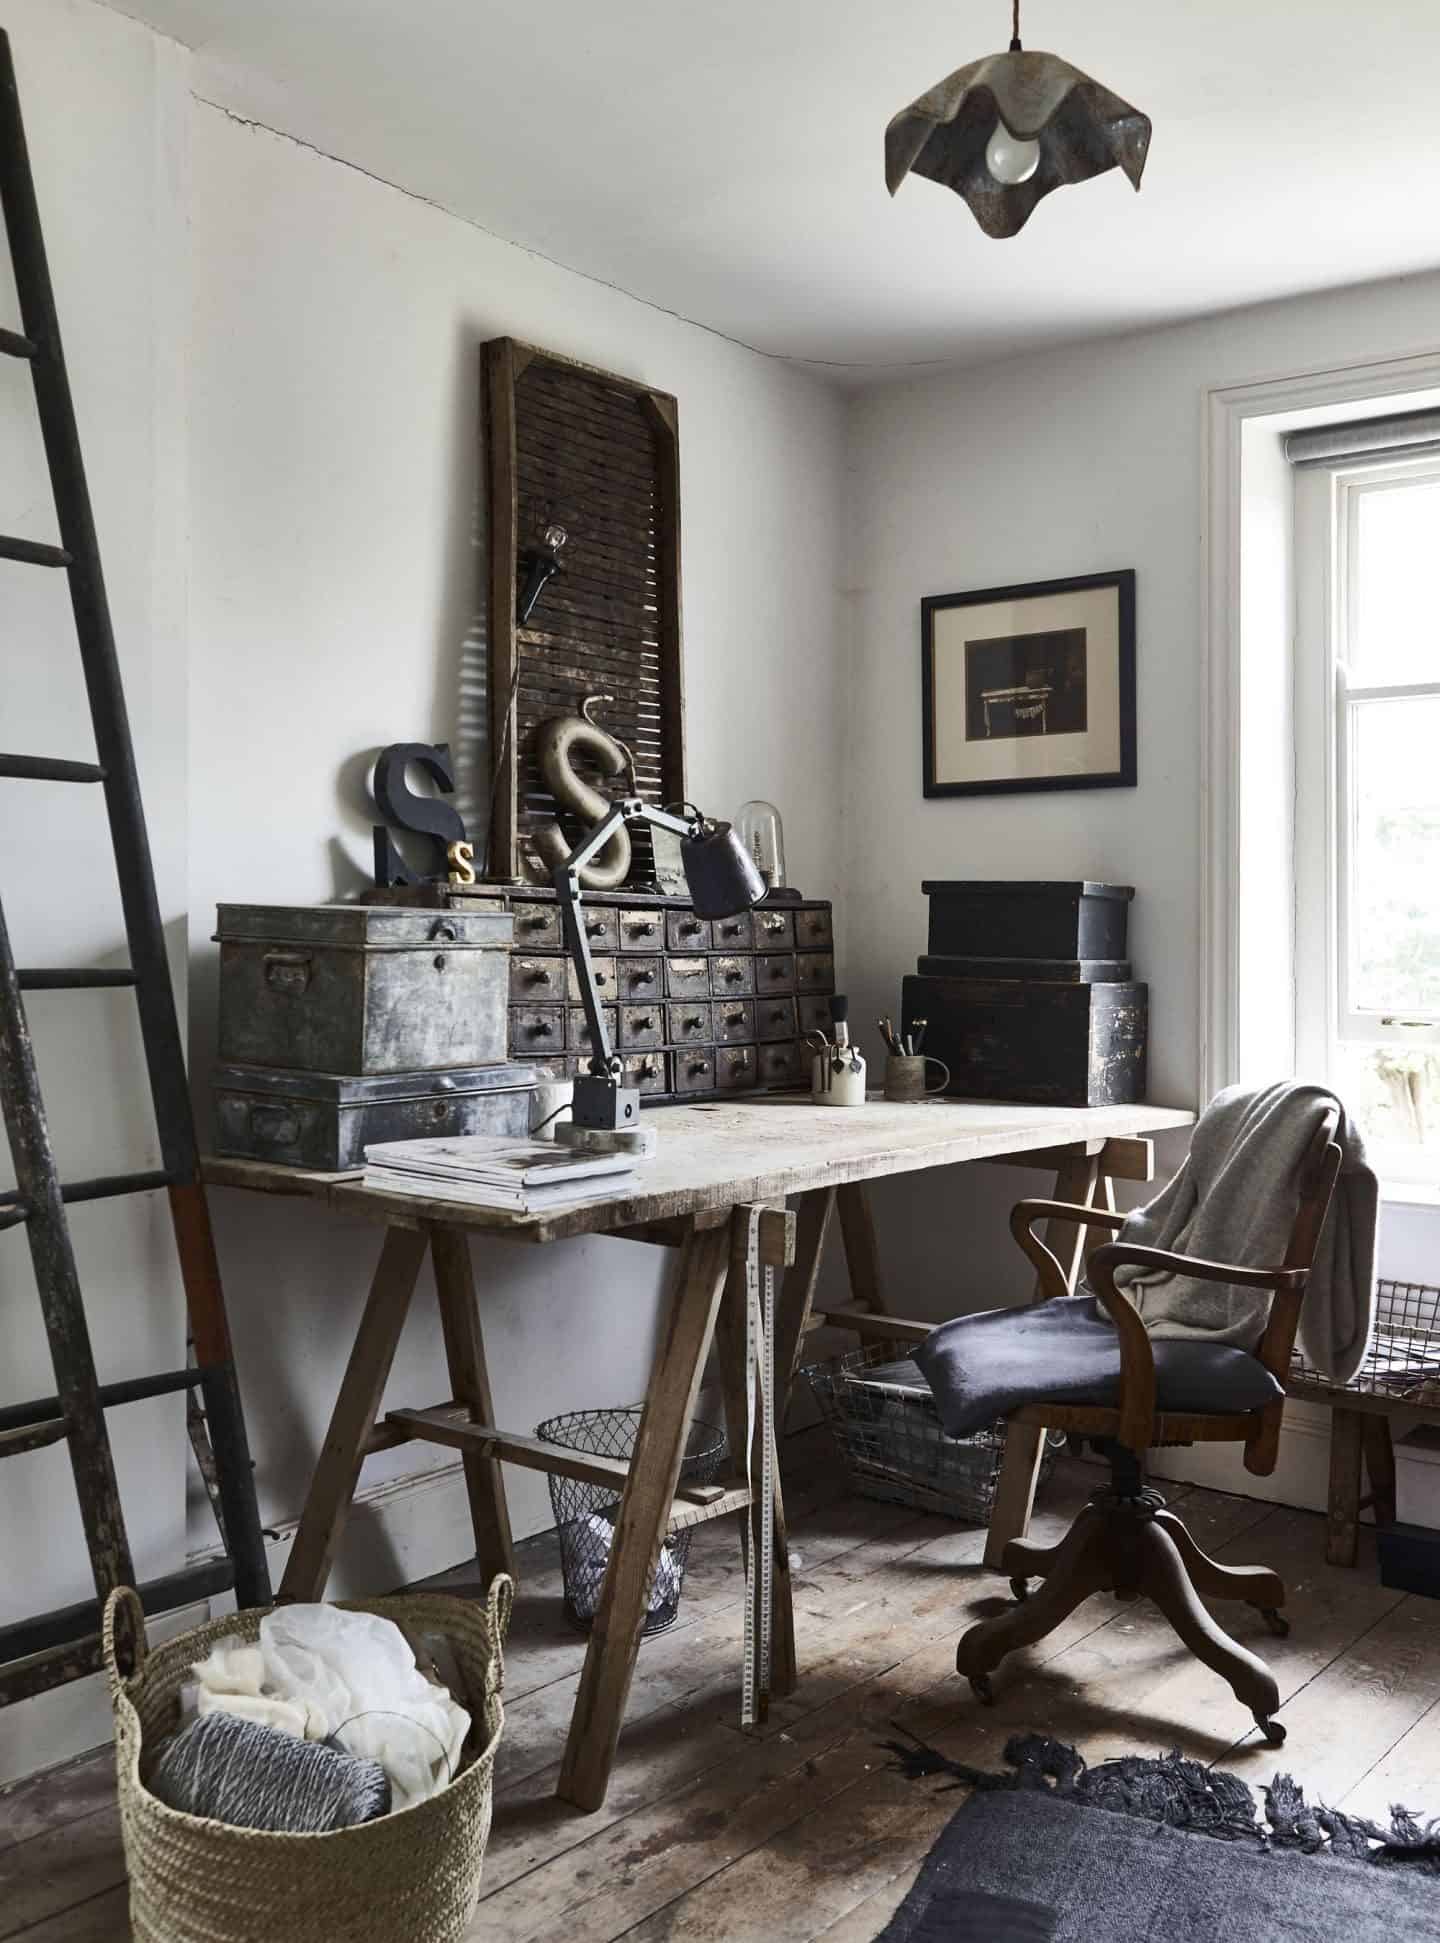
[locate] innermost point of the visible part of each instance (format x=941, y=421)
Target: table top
x=725, y=1154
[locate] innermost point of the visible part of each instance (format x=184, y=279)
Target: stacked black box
x=1027, y=994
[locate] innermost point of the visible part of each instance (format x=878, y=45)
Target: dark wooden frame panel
x=584, y=467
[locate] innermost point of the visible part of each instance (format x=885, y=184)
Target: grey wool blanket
x=1234, y=1201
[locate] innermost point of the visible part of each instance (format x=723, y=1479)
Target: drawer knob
x=536, y=923
x=599, y=978
x=772, y=924
x=693, y=1023
x=593, y=927
x=734, y=1018
x=733, y=975
x=689, y=927
x=541, y=1029
x=643, y=1025
x=646, y=977
x=645, y=929
x=536, y=975
x=699, y=1066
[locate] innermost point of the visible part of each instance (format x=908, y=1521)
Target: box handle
x=288, y=972
x=442, y=928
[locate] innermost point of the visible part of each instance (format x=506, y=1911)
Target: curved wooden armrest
x=1117, y=1254
x=1022, y=1218
x=1137, y=1358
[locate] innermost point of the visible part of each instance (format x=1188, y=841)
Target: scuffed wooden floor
x=714, y=1836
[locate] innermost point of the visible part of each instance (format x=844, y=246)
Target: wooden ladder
x=45, y=1651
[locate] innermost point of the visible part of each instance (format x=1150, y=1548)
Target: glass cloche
x=759, y=828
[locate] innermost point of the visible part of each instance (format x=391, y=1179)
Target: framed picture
x=1030, y=687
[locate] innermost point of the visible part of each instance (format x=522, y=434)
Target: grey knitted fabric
x=250, y=1776
x=1234, y=1200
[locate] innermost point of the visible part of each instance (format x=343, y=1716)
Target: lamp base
x=641, y=1142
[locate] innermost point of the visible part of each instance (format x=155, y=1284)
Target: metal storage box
x=326, y=1120
x=984, y=919
x=362, y=988
x=1014, y=1039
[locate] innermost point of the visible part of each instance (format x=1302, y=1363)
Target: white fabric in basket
x=321, y=1673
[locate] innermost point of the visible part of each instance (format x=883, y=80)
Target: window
x=1367, y=799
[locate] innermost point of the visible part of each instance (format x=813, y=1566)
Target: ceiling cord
x=1015, y=47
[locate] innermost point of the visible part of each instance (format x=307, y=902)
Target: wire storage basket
x=883, y=1417
x=585, y=1514
x=1403, y=1360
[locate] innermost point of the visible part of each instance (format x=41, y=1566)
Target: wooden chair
x=1125, y=1541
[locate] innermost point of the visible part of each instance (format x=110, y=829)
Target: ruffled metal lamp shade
x=1082, y=129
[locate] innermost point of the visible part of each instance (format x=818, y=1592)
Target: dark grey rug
x=1057, y=1853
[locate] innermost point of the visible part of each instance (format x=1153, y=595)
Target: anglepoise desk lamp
x=722, y=880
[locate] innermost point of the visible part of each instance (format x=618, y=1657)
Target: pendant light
x=1006, y=130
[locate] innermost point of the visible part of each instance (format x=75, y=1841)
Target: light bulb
x=1010, y=159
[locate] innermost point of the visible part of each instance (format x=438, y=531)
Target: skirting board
x=1302, y=1476
x=399, y=1531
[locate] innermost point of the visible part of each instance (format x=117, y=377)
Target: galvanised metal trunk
x=360, y=988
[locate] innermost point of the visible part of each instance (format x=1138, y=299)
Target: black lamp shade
x=720, y=873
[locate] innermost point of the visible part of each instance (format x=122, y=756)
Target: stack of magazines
x=492, y=1171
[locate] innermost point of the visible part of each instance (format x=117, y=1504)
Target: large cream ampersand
x=557, y=742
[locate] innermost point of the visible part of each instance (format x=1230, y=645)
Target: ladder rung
x=13, y=345
x=34, y=553
x=105, y=1188
x=31, y=1437
x=62, y=979
x=42, y=1671
x=51, y=769
x=135, y=1389
x=69, y=1624
x=13, y=1214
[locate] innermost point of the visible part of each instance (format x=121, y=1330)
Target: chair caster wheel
x=981, y=1688
x=1276, y=1621
x=1273, y=1730
x=1020, y=1589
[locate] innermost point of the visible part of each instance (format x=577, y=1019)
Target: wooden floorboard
x=803, y=1830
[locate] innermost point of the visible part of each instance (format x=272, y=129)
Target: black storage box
x=1410, y=1559
x=326, y=1120
x=1046, y=971
x=985, y=919
x=1032, y=1041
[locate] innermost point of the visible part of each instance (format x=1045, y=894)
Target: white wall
x=1071, y=463
x=336, y=563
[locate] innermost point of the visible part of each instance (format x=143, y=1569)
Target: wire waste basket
x=882, y=1414
x=585, y=1514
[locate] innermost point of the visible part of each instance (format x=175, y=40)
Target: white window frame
x=1249, y=954
x=1327, y=701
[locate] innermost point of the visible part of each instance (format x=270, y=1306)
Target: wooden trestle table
x=715, y=1163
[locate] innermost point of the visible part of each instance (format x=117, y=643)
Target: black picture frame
x=1124, y=774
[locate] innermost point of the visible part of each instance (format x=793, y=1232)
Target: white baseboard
x=397, y=1532
x=1300, y=1478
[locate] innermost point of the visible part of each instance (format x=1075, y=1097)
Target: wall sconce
x=1006, y=130
x=542, y=565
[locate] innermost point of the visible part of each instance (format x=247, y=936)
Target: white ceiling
x=725, y=161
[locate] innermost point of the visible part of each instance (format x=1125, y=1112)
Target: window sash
x=1328, y=704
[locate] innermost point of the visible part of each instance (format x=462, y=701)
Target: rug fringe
x=1185, y=1794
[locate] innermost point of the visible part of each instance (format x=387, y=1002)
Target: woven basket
x=413, y=1875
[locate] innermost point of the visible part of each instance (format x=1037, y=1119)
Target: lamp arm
x=566, y=876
